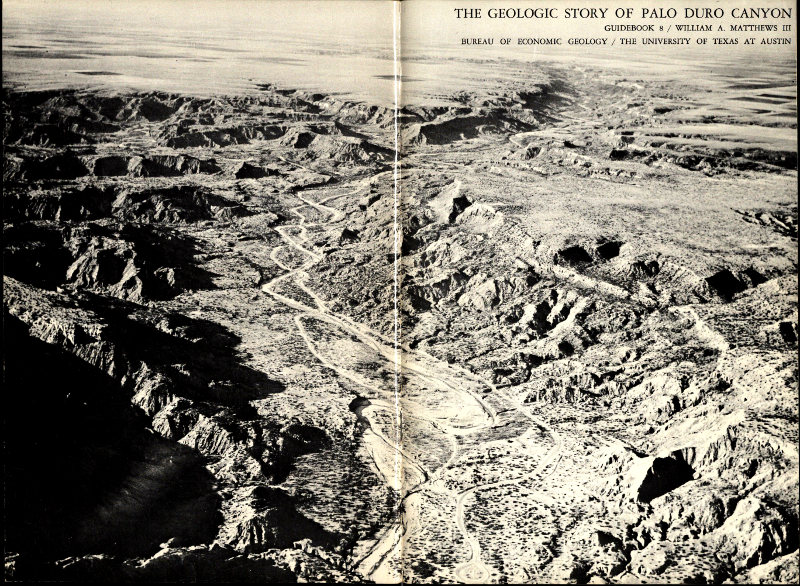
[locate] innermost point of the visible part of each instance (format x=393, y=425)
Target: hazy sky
x=211, y=46
x=201, y=46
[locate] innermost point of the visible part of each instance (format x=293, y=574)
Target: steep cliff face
x=180, y=372
x=152, y=418
x=84, y=471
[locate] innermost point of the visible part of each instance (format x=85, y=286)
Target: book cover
x=400, y=292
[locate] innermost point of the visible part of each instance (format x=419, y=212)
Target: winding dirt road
x=404, y=473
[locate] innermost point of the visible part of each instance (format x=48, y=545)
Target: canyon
x=552, y=338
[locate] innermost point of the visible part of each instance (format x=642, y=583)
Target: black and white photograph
x=400, y=292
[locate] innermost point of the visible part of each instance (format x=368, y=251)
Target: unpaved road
x=401, y=471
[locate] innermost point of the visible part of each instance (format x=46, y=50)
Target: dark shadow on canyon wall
x=83, y=473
